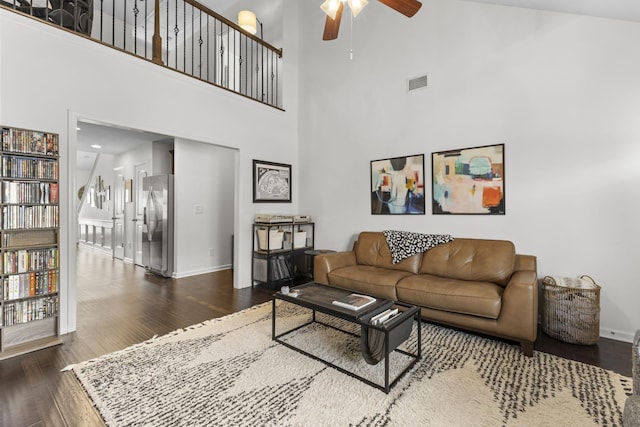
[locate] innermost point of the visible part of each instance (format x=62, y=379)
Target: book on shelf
x=355, y=301
x=53, y=193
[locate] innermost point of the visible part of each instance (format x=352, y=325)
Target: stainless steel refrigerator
x=157, y=233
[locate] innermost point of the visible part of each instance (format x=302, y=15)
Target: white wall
x=64, y=78
x=162, y=159
x=203, y=207
x=561, y=91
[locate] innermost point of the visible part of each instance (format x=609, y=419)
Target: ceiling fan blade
x=332, y=26
x=406, y=7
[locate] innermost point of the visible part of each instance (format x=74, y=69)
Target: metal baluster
x=192, y=37
x=113, y=23
x=124, y=27
x=101, y=17
x=228, y=53
x=234, y=63
x=135, y=26
x=201, y=42
x=184, y=37
x=215, y=50
x=176, y=30
x=274, y=98
x=246, y=65
x=146, y=13
x=272, y=77
x=258, y=66
x=221, y=59
x=208, y=43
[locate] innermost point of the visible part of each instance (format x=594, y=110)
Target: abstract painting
x=271, y=182
x=469, y=181
x=397, y=186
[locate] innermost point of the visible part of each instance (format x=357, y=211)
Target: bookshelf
x=278, y=253
x=29, y=241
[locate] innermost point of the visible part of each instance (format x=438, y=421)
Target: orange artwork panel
x=491, y=196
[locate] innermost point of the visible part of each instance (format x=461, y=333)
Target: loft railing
x=180, y=34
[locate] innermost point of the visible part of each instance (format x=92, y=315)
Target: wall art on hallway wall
x=469, y=181
x=271, y=182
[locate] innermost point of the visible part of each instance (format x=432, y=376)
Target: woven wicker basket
x=571, y=309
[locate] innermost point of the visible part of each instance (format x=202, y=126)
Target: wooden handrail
x=232, y=25
x=157, y=38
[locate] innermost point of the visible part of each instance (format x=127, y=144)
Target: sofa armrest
x=325, y=263
x=519, y=313
x=526, y=262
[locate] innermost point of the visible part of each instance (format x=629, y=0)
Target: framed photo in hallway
x=397, y=186
x=469, y=181
x=271, y=182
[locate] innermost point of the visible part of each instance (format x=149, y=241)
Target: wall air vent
x=417, y=83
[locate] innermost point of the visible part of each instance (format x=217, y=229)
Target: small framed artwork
x=397, y=186
x=469, y=181
x=271, y=182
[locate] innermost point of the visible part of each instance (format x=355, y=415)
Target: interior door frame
x=119, y=226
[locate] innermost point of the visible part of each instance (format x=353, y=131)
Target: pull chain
x=351, y=39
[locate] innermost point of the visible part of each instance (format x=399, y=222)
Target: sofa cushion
x=375, y=281
x=372, y=249
x=477, y=298
x=471, y=259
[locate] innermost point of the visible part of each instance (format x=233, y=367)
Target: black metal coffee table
x=319, y=298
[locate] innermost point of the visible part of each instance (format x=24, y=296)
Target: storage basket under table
x=571, y=309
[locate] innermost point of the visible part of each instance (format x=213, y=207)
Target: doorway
x=127, y=156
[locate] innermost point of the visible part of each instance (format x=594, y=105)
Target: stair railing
x=179, y=34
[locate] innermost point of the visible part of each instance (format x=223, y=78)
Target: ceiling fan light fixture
x=330, y=7
x=356, y=6
x=247, y=21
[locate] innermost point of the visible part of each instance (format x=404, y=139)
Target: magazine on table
x=355, y=301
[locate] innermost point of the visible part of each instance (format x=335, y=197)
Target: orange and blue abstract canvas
x=469, y=181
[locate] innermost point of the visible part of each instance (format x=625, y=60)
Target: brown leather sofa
x=474, y=284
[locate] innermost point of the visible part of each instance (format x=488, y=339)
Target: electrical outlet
x=211, y=252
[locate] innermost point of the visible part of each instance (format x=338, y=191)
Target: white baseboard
x=104, y=250
x=181, y=274
x=127, y=260
x=617, y=335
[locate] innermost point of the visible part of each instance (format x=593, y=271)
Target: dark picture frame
x=271, y=182
x=397, y=186
x=468, y=181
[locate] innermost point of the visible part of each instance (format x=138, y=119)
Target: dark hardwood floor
x=120, y=305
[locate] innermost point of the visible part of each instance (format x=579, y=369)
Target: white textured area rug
x=228, y=372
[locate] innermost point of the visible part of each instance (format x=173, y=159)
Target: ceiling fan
x=334, y=8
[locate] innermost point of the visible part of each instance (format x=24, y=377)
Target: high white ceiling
x=628, y=10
